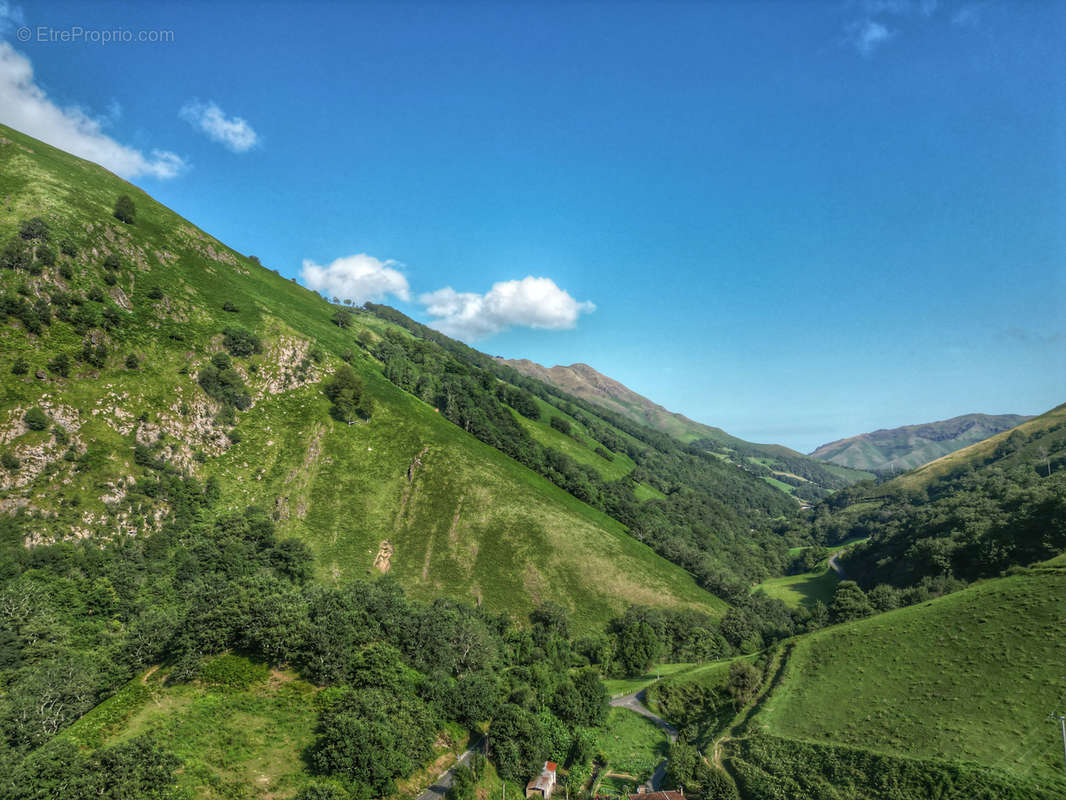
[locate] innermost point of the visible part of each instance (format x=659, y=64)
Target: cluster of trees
x=81, y=620
x=716, y=520
x=221, y=381
x=346, y=393
x=974, y=523
x=770, y=768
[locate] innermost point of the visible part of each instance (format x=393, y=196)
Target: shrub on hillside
x=10, y=461
x=233, y=672
x=46, y=256
x=35, y=229
x=224, y=383
x=241, y=342
x=35, y=419
x=345, y=391
x=60, y=365
x=125, y=211
x=560, y=424
x=16, y=255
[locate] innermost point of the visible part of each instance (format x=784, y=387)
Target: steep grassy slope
x=970, y=677
x=785, y=469
x=408, y=490
x=902, y=449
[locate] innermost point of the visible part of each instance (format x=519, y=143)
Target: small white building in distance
x=542, y=785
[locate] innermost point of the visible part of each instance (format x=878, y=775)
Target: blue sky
x=796, y=221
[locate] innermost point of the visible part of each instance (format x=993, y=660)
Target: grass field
x=804, y=589
x=633, y=744
x=969, y=677
x=622, y=686
x=236, y=743
x=807, y=588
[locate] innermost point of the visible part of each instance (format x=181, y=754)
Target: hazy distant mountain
x=901, y=449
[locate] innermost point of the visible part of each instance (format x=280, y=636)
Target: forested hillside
x=972, y=514
x=786, y=470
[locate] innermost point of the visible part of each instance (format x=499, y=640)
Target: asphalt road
x=635, y=702
x=443, y=782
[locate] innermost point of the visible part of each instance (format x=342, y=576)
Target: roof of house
x=545, y=779
x=657, y=796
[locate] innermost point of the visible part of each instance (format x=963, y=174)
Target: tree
x=582, y=701
x=241, y=342
x=132, y=362
x=849, y=602
x=360, y=751
x=743, y=683
x=35, y=419
x=518, y=744
x=638, y=647
x=60, y=365
x=20, y=367
x=35, y=229
x=342, y=319
x=345, y=391
x=17, y=255
x=125, y=211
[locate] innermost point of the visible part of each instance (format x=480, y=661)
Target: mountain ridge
x=910, y=446
x=788, y=470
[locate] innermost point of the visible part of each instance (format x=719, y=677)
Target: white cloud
x=233, y=132
x=25, y=107
x=10, y=17
x=866, y=36
x=530, y=302
x=357, y=278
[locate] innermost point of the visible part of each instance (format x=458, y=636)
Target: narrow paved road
x=833, y=565
x=635, y=702
x=444, y=781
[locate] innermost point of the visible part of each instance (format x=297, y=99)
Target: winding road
x=635, y=702
x=835, y=566
x=444, y=781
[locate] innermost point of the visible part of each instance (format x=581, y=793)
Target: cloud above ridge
x=530, y=302
x=358, y=278
x=26, y=107
x=234, y=133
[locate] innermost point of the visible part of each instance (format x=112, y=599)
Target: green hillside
x=971, y=514
x=967, y=679
x=946, y=699
x=901, y=449
x=791, y=472
x=139, y=310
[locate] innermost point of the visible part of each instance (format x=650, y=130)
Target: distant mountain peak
x=911, y=446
